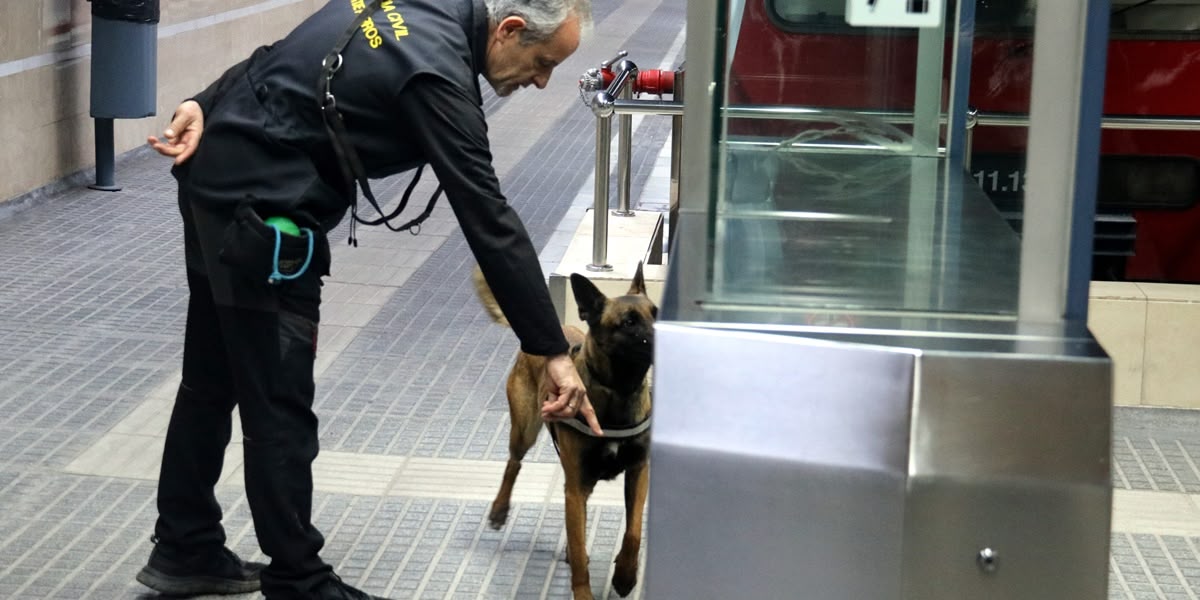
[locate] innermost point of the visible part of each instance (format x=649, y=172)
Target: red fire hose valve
x=655, y=81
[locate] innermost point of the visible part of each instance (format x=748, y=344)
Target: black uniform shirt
x=409, y=93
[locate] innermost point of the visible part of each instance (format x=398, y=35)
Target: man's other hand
x=182, y=136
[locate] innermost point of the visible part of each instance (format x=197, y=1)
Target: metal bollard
x=600, y=203
x=602, y=106
x=625, y=144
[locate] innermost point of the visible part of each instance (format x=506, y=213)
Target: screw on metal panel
x=987, y=559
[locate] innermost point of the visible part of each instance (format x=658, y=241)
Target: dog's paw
x=498, y=517
x=625, y=574
x=624, y=581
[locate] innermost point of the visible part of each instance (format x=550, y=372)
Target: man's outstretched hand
x=182, y=136
x=567, y=396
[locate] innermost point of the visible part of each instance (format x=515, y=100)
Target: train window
x=792, y=14
x=1156, y=15
x=1127, y=15
x=809, y=12
x=1127, y=182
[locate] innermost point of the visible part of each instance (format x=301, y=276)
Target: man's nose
x=541, y=80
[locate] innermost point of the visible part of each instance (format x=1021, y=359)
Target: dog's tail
x=486, y=298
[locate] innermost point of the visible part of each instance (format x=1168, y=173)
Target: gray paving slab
x=92, y=303
x=1157, y=449
x=91, y=317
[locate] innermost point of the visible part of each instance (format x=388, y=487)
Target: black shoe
x=217, y=572
x=336, y=589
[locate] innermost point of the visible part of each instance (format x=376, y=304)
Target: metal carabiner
x=329, y=101
x=337, y=65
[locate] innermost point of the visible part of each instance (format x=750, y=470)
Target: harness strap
x=615, y=434
x=348, y=160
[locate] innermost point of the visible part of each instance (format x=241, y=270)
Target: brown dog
x=613, y=359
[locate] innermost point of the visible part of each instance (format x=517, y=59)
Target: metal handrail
x=617, y=100
x=625, y=71
x=1126, y=122
x=799, y=113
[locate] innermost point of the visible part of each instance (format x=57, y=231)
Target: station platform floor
x=413, y=421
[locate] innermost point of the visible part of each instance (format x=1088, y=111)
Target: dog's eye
x=630, y=321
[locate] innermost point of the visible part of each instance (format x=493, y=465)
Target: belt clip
x=330, y=70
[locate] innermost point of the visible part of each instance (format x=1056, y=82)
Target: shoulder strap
x=348, y=160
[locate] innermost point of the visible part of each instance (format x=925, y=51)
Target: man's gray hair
x=542, y=17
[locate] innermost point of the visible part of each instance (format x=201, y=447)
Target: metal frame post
x=625, y=145
x=603, y=107
x=960, y=67
x=676, y=159
x=600, y=202
x=1071, y=37
x=927, y=105
x=701, y=175
x=105, y=156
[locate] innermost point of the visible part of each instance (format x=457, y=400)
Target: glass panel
x=1149, y=175
x=1148, y=205
x=826, y=204
x=1000, y=86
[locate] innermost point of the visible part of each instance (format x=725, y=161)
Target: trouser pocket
x=258, y=251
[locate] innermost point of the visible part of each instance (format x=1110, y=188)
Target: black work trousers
x=248, y=344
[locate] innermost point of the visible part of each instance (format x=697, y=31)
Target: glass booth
x=868, y=383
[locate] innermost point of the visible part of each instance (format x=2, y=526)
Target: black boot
x=218, y=571
x=336, y=589
x=326, y=587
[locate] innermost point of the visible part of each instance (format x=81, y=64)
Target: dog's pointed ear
x=589, y=298
x=639, y=283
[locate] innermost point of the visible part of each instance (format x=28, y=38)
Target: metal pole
x=602, y=106
x=600, y=202
x=1064, y=139
x=969, y=137
x=927, y=107
x=676, y=161
x=960, y=80
x=625, y=151
x=105, y=157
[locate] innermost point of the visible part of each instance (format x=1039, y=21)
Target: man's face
x=512, y=65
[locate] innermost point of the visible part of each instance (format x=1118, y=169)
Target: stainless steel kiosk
x=867, y=384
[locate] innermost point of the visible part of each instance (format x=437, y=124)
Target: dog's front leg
x=637, y=483
x=576, y=493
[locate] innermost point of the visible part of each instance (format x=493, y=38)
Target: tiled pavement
x=410, y=373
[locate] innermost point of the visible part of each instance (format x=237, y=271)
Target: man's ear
x=589, y=298
x=510, y=28
x=639, y=283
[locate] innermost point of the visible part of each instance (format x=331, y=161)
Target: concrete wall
x=45, y=47
x=1152, y=333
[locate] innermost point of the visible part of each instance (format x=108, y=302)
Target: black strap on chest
x=348, y=160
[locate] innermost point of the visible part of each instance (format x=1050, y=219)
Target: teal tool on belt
x=285, y=226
